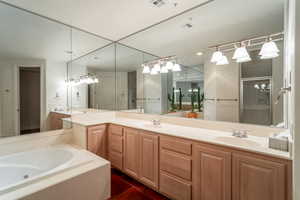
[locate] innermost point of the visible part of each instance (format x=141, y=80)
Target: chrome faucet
x=240, y=133
x=156, y=122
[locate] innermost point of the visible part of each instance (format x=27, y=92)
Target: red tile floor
x=123, y=187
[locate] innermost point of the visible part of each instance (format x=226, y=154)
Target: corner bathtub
x=21, y=168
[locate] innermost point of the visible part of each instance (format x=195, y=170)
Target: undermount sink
x=152, y=125
x=238, y=141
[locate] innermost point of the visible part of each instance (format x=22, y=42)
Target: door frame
x=17, y=95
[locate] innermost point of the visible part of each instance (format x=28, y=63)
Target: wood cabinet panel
x=175, y=188
x=116, y=143
x=176, y=164
x=131, y=152
x=176, y=144
x=116, y=130
x=56, y=122
x=97, y=140
x=116, y=160
x=149, y=159
x=211, y=173
x=258, y=179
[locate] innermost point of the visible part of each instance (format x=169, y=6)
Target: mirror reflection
x=35, y=57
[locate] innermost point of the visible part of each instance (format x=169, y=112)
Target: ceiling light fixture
x=199, y=54
x=241, y=54
x=169, y=65
x=217, y=56
x=146, y=69
x=269, y=50
x=223, y=61
x=176, y=68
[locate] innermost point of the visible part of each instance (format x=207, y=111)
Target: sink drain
x=26, y=176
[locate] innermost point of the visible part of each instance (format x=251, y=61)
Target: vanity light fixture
x=153, y=71
x=156, y=67
x=164, y=70
x=217, y=56
x=269, y=50
x=176, y=68
x=146, y=69
x=241, y=54
x=169, y=65
x=85, y=79
x=223, y=61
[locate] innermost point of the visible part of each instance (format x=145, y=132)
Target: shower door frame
x=263, y=78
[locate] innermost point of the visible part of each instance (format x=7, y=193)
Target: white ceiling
x=112, y=19
x=26, y=36
x=219, y=22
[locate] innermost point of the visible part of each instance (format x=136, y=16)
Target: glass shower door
x=256, y=98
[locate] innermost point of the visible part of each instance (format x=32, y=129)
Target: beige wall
x=221, y=82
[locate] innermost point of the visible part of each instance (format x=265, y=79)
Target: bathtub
x=22, y=168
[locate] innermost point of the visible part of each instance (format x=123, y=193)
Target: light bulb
x=169, y=65
x=217, y=55
x=242, y=60
x=176, y=68
x=164, y=70
x=269, y=50
x=223, y=61
x=146, y=70
x=156, y=67
x=241, y=53
x=153, y=71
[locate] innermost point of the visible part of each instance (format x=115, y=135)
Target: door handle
x=281, y=92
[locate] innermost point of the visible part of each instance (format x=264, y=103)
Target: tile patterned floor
x=123, y=188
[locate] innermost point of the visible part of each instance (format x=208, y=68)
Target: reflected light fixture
x=241, y=55
x=146, y=69
x=269, y=50
x=153, y=71
x=176, y=68
x=169, y=65
x=164, y=70
x=223, y=61
x=156, y=67
x=217, y=56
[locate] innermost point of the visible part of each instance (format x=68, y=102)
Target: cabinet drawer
x=116, y=130
x=177, y=145
x=116, y=159
x=116, y=143
x=175, y=188
x=176, y=164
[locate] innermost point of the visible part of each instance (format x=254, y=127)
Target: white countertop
x=252, y=143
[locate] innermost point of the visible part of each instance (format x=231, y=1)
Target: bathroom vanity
x=185, y=163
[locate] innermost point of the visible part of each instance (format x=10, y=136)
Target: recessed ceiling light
x=199, y=54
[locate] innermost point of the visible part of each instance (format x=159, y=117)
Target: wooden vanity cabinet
x=175, y=168
x=211, y=173
x=148, y=173
x=131, y=152
x=141, y=156
x=259, y=178
x=116, y=145
x=56, y=122
x=97, y=140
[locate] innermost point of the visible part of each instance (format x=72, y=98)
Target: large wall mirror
x=234, y=90
x=35, y=58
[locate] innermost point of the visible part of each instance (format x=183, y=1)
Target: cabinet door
x=211, y=173
x=97, y=140
x=131, y=152
x=149, y=159
x=257, y=179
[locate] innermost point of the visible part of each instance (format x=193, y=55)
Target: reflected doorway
x=29, y=100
